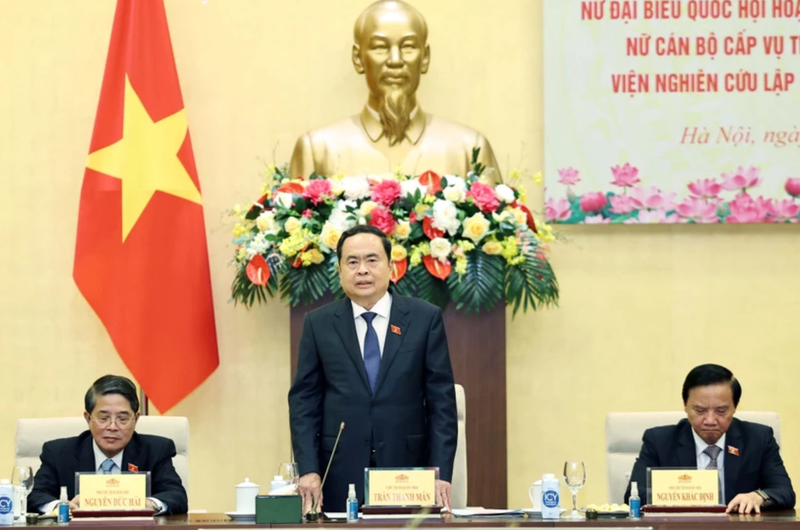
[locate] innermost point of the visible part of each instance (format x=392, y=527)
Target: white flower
x=411, y=186
x=355, y=187
x=258, y=245
x=445, y=216
x=344, y=205
x=440, y=248
x=284, y=199
x=454, y=180
x=266, y=222
x=341, y=220
x=454, y=194
x=504, y=194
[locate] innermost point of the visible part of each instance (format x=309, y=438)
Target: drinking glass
x=22, y=478
x=574, y=477
x=288, y=470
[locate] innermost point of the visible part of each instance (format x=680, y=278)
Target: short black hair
x=711, y=374
x=111, y=384
x=365, y=229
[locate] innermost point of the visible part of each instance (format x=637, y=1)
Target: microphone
x=312, y=516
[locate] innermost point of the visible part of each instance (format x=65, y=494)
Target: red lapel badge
x=395, y=329
x=733, y=450
x=133, y=469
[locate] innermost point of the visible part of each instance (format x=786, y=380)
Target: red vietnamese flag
x=141, y=259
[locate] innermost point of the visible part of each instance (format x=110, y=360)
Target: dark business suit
x=411, y=419
x=62, y=458
x=757, y=466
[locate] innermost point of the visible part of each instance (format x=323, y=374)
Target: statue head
x=392, y=52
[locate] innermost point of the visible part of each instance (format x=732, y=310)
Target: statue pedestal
x=478, y=354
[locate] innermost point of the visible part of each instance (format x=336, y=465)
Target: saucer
x=237, y=516
x=531, y=512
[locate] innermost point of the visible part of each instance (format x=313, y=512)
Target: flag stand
x=143, y=403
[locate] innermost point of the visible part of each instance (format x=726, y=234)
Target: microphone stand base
x=312, y=517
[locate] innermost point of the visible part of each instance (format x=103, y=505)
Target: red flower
x=412, y=218
x=307, y=213
x=258, y=270
x=437, y=268
x=429, y=230
x=432, y=181
x=593, y=201
x=317, y=190
x=382, y=219
x=386, y=192
x=399, y=269
x=291, y=187
x=484, y=197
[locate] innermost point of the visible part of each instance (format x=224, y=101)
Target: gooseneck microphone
x=312, y=515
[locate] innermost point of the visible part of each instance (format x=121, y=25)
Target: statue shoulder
x=454, y=129
x=347, y=126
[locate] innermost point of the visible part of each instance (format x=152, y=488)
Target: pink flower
x=745, y=209
x=317, y=190
x=382, y=219
x=653, y=199
x=307, y=213
x=597, y=220
x=484, y=197
x=657, y=216
x=569, y=176
x=386, y=192
x=793, y=187
x=557, y=210
x=593, y=201
x=698, y=210
x=784, y=211
x=412, y=218
x=741, y=179
x=706, y=188
x=622, y=204
x=625, y=176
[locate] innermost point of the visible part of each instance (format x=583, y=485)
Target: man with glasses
x=110, y=446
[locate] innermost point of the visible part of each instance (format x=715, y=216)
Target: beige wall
x=640, y=305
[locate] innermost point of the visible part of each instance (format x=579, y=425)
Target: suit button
x=366, y=441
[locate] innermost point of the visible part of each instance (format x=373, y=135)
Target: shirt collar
x=371, y=121
x=100, y=457
x=700, y=445
x=382, y=307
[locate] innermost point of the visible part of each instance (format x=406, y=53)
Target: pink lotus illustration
x=653, y=198
x=625, y=176
x=569, y=176
x=793, y=187
x=698, y=210
x=741, y=179
x=745, y=209
x=657, y=216
x=706, y=188
x=557, y=210
x=622, y=204
x=597, y=220
x=593, y=201
x=784, y=211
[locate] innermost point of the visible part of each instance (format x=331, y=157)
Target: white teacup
x=246, y=493
x=535, y=493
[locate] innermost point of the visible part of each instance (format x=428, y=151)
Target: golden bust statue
x=392, y=130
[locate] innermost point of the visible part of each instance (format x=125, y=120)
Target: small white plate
x=236, y=516
x=536, y=513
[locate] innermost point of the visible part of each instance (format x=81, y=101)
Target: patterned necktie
x=107, y=466
x=713, y=452
x=372, y=350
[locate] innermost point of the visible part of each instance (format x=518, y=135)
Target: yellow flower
x=265, y=221
x=292, y=225
x=399, y=253
x=493, y=248
x=296, y=242
x=402, y=230
x=313, y=256
x=330, y=236
x=510, y=248
x=241, y=253
x=417, y=252
x=421, y=208
x=367, y=207
x=337, y=177
x=428, y=199
x=454, y=194
x=519, y=216
x=514, y=175
x=239, y=230
x=523, y=195
x=545, y=232
x=476, y=227
x=461, y=266
x=537, y=178
x=337, y=188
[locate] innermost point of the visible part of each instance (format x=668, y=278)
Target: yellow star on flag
x=145, y=159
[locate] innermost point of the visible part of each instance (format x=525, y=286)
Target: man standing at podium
x=378, y=362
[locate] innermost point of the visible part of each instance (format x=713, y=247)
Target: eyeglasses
x=105, y=421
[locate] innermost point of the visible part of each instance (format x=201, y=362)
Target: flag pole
x=144, y=404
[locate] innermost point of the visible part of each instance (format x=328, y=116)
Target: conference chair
x=32, y=433
x=458, y=493
x=624, y=431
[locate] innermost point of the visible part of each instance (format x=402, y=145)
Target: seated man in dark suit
x=109, y=446
x=751, y=471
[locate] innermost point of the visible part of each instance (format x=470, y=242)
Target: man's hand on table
x=443, y=494
x=744, y=503
x=309, y=488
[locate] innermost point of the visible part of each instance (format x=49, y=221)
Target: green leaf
x=430, y=289
x=482, y=286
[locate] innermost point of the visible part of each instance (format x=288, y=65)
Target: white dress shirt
x=703, y=460
x=382, y=309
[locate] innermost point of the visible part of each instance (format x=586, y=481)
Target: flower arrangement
x=453, y=239
x=705, y=203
